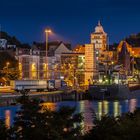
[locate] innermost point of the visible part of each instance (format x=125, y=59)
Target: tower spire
x=99, y=23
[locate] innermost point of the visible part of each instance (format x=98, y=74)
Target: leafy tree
x=6, y=57
x=129, y=126
x=35, y=122
x=68, y=124
x=26, y=118
x=10, y=72
x=11, y=39
x=104, y=129
x=13, y=75
x=125, y=127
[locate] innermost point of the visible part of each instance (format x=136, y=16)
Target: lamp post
x=132, y=63
x=47, y=31
x=7, y=64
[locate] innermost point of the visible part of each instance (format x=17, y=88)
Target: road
x=6, y=90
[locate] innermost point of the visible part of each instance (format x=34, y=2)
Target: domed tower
x=99, y=38
x=94, y=54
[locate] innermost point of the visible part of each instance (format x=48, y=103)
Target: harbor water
x=87, y=108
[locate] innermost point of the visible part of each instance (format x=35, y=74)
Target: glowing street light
x=7, y=71
x=47, y=31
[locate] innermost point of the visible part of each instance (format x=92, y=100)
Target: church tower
x=94, y=52
x=99, y=38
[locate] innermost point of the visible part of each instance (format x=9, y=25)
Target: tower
x=99, y=40
x=94, y=53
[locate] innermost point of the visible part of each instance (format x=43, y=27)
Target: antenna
x=99, y=23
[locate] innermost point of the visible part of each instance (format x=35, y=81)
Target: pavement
x=6, y=91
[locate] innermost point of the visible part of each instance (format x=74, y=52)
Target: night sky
x=71, y=20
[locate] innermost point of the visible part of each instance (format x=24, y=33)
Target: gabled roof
x=52, y=46
x=79, y=49
x=123, y=44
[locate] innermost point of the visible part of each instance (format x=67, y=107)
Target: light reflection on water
x=7, y=118
x=87, y=108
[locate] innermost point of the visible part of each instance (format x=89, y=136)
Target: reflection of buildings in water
x=103, y=109
x=99, y=113
x=116, y=108
x=85, y=107
x=50, y=106
x=7, y=118
x=132, y=105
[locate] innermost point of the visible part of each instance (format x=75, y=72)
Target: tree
x=104, y=129
x=27, y=117
x=6, y=57
x=68, y=124
x=11, y=39
x=35, y=122
x=125, y=127
x=10, y=71
x=129, y=125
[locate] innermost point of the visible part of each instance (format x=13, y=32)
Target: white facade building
x=94, y=53
x=3, y=43
x=33, y=63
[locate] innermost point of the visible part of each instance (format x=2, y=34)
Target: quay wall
x=44, y=97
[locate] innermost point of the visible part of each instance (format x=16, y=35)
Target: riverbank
x=58, y=96
x=55, y=96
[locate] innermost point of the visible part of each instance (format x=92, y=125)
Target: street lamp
x=7, y=64
x=47, y=31
x=132, y=63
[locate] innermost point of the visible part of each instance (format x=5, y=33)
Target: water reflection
x=103, y=109
x=7, y=118
x=50, y=106
x=87, y=108
x=7, y=114
x=132, y=105
x=99, y=113
x=117, y=108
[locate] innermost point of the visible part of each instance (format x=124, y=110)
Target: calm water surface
x=87, y=108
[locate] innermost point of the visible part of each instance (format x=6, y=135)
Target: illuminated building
x=90, y=63
x=95, y=53
x=124, y=58
x=127, y=54
x=3, y=43
x=32, y=62
x=134, y=51
x=79, y=49
x=72, y=68
x=99, y=38
x=29, y=63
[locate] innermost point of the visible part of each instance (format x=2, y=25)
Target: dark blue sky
x=71, y=20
